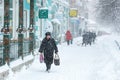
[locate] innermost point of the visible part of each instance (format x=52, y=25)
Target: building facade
x=78, y=23
x=58, y=19
x=58, y=16
x=22, y=29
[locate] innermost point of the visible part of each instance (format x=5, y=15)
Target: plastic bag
x=41, y=58
x=56, y=60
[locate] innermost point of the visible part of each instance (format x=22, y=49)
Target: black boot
x=48, y=67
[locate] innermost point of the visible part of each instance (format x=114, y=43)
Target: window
x=11, y=3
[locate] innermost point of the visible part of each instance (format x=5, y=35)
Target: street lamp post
x=20, y=30
x=31, y=27
x=6, y=36
x=43, y=14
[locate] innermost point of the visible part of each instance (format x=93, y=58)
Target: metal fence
x=14, y=50
x=37, y=43
x=26, y=48
x=1, y=54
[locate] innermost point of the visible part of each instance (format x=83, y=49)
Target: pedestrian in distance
x=48, y=47
x=68, y=37
x=84, y=39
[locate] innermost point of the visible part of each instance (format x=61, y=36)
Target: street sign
x=73, y=13
x=43, y=13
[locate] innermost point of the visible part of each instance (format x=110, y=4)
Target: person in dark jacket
x=48, y=46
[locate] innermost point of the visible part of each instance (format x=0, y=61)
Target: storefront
x=56, y=28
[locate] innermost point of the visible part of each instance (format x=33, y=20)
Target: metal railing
x=26, y=48
x=14, y=50
x=1, y=54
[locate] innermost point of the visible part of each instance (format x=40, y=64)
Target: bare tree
x=108, y=13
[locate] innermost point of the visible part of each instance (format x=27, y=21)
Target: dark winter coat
x=48, y=47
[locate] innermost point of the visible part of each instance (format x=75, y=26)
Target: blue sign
x=27, y=4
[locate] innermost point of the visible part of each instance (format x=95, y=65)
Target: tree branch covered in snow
x=108, y=13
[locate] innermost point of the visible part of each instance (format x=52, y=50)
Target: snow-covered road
x=94, y=62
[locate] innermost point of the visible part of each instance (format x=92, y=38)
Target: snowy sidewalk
x=77, y=63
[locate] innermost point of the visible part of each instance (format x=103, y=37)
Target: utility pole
x=41, y=27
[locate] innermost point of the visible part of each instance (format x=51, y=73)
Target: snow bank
x=4, y=72
x=9, y=71
x=4, y=68
x=100, y=61
x=111, y=69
